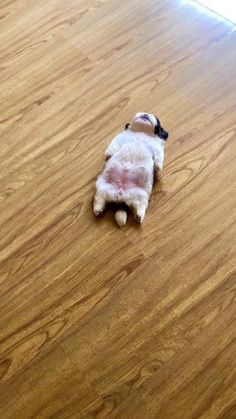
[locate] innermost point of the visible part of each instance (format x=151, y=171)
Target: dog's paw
x=97, y=212
x=107, y=156
x=139, y=219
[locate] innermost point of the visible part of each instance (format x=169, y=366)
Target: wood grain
x=97, y=322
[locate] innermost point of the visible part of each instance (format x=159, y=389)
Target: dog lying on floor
x=132, y=159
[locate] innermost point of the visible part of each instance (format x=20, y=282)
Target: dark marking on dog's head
x=127, y=126
x=161, y=132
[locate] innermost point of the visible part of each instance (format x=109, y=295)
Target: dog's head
x=149, y=124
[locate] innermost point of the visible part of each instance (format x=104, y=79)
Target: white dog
x=132, y=159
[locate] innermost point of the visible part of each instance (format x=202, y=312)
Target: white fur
x=135, y=150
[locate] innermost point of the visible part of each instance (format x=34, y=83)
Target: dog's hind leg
x=139, y=209
x=99, y=203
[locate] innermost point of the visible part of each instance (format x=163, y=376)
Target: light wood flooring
x=98, y=322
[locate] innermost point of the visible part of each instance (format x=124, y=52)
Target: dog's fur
x=132, y=159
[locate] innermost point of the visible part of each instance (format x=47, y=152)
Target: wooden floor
x=97, y=322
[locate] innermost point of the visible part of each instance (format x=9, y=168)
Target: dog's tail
x=121, y=217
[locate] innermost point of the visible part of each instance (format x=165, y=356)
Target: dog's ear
x=161, y=132
x=127, y=126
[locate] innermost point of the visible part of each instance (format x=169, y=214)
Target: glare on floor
x=225, y=8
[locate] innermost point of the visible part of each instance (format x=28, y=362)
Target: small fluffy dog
x=132, y=159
